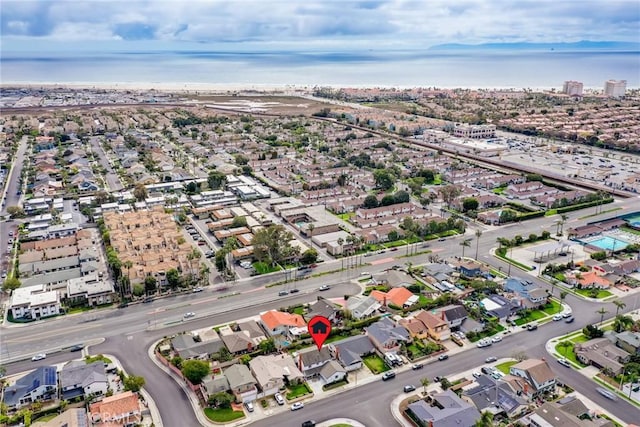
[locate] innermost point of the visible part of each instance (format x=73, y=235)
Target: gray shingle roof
x=451, y=412
x=350, y=350
x=82, y=375
x=385, y=330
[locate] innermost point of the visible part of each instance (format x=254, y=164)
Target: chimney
x=442, y=315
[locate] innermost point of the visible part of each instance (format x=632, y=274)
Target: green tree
x=449, y=193
x=272, y=245
x=267, y=346
x=15, y=212
x=602, y=311
x=565, y=345
x=401, y=197
x=425, y=383
x=622, y=323
x=133, y=383
x=239, y=221
x=387, y=200
x=384, y=179
x=465, y=244
x=309, y=256
x=140, y=192
x=370, y=202
x=173, y=278
x=195, y=370
x=150, y=284
x=11, y=283
x=619, y=305
x=221, y=400
x=478, y=235
x=138, y=290
x=216, y=180
x=470, y=204
x=486, y=420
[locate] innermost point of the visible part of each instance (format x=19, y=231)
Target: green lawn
x=92, y=359
x=222, y=415
x=601, y=293
x=504, y=367
x=532, y=316
x=297, y=390
x=346, y=216
x=298, y=310
x=375, y=364
x=264, y=268
x=552, y=308
x=46, y=418
x=630, y=230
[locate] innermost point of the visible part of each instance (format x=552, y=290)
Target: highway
x=130, y=331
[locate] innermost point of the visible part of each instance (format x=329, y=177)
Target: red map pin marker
x=319, y=329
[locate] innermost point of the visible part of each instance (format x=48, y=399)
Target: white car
x=279, y=398
x=297, y=405
x=324, y=288
x=189, y=314
x=557, y=317
x=497, y=338
x=476, y=374
x=39, y=356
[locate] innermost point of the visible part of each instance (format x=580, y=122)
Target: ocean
x=367, y=68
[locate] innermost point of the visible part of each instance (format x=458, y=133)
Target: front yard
x=593, y=293
x=375, y=364
x=548, y=310
x=504, y=367
x=264, y=268
x=298, y=390
x=222, y=415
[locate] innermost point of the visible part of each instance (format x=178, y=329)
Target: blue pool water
x=607, y=243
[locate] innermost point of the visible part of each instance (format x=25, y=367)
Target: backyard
x=375, y=364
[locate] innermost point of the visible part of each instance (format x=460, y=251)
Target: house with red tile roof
x=281, y=323
x=117, y=410
x=400, y=297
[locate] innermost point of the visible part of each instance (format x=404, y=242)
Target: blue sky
x=45, y=25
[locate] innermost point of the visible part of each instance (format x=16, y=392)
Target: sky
x=333, y=25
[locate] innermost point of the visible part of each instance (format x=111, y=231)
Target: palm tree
x=204, y=272
x=565, y=345
x=619, y=305
x=311, y=227
x=425, y=382
x=127, y=264
x=465, y=244
x=486, y=420
x=564, y=219
x=622, y=323
x=478, y=234
x=632, y=378
x=563, y=295
x=341, y=242
x=602, y=312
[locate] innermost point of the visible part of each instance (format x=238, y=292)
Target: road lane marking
x=31, y=337
x=382, y=261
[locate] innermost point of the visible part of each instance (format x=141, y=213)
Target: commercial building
x=615, y=88
x=572, y=88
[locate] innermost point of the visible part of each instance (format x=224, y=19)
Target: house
x=453, y=314
x=350, y=351
x=537, y=372
x=214, y=384
x=332, y=372
x=280, y=323
x=238, y=342
x=241, y=383
x=470, y=269
x=310, y=360
x=590, y=279
x=567, y=412
x=602, y=353
x=495, y=396
x=119, y=409
x=79, y=379
x=386, y=336
x=527, y=290
x=273, y=372
x=437, y=327
x=256, y=333
x=362, y=307
x=629, y=341
x=399, y=297
x=188, y=348
x=38, y=385
x=499, y=306
x=324, y=307
x=417, y=329
x=34, y=302
x=446, y=409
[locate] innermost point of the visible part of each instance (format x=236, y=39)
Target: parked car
x=490, y=359
x=532, y=326
x=476, y=374
x=297, y=405
x=443, y=357
x=564, y=362
x=278, y=397
x=569, y=320
x=606, y=393
x=388, y=375
x=487, y=370
x=557, y=317
x=309, y=423
x=497, y=338
x=484, y=343
x=249, y=406
x=39, y=356
x=198, y=289
x=417, y=366
x=496, y=375
x=409, y=388
x=324, y=288
x=567, y=314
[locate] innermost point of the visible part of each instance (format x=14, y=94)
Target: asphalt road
x=13, y=183
x=112, y=179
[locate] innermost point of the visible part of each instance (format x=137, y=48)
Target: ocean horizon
x=367, y=68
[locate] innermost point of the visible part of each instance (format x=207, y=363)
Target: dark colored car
x=294, y=290
x=77, y=347
x=309, y=423
x=443, y=357
x=388, y=375
x=417, y=366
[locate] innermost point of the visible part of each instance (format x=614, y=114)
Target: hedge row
x=583, y=205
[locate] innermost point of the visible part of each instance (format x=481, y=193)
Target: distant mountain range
x=581, y=45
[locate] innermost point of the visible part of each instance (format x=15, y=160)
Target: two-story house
x=324, y=307
x=386, y=336
x=241, y=383
x=537, y=372
x=350, y=351
x=38, y=385
x=79, y=379
x=437, y=327
x=629, y=341
x=454, y=315
x=273, y=372
x=310, y=360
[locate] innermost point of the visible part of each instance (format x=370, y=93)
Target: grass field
x=263, y=268
x=297, y=390
x=586, y=293
x=504, y=367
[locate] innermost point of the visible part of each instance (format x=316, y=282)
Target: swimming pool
x=633, y=220
x=607, y=243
